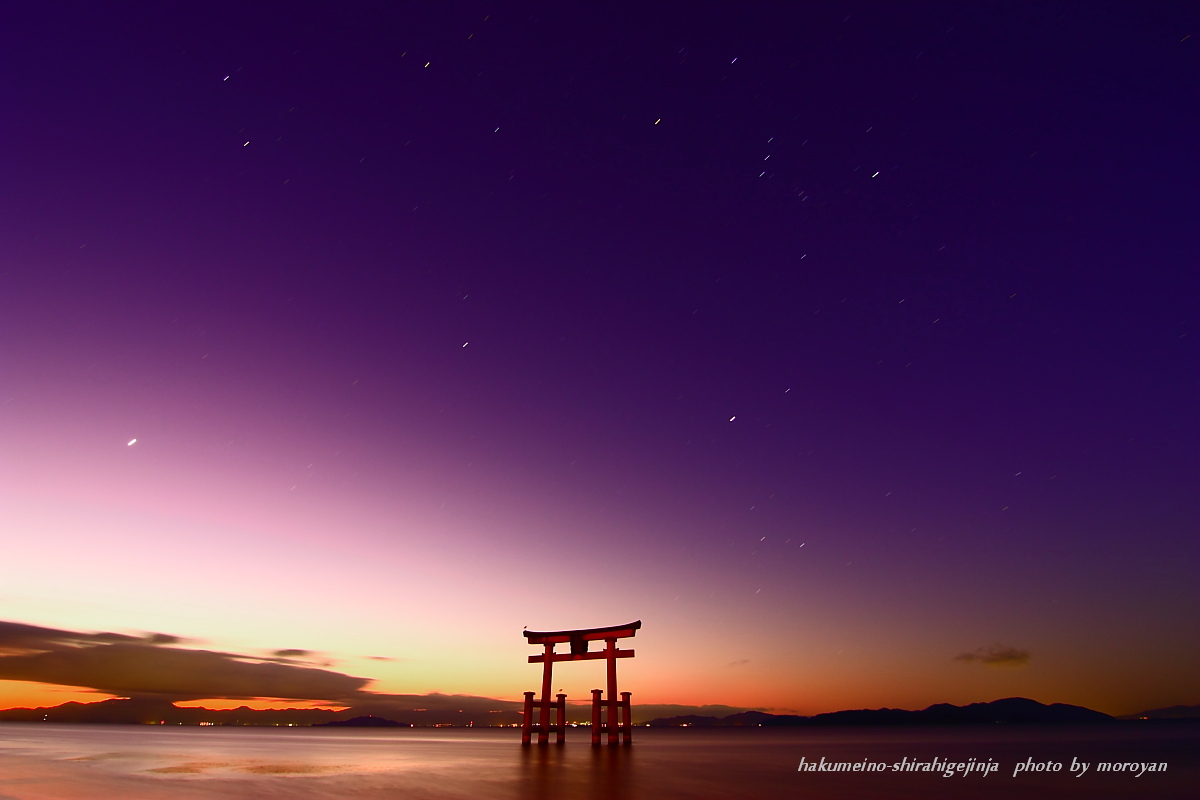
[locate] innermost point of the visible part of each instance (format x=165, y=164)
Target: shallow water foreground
x=93, y=762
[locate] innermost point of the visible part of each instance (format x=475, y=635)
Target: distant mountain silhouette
x=691, y=719
x=155, y=712
x=137, y=711
x=1172, y=712
x=368, y=721
x=1010, y=710
x=743, y=720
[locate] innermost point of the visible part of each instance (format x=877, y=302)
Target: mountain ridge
x=1007, y=710
x=142, y=711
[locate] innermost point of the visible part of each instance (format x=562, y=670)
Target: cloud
x=147, y=666
x=291, y=653
x=998, y=655
x=163, y=638
x=19, y=637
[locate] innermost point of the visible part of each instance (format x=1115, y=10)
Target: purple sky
x=844, y=344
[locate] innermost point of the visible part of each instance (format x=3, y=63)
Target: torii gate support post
x=626, y=719
x=527, y=718
x=547, y=665
x=596, y=693
x=610, y=653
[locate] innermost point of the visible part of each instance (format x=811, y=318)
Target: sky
x=850, y=346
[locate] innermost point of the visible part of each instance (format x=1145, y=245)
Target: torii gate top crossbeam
x=584, y=635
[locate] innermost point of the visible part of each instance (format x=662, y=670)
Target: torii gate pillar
x=618, y=721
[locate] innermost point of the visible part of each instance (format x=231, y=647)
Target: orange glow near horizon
x=27, y=694
x=259, y=704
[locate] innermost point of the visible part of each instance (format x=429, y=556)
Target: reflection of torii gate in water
x=579, y=652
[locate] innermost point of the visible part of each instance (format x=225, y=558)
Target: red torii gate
x=579, y=652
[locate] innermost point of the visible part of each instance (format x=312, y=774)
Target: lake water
x=103, y=762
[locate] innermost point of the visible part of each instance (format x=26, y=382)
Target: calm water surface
x=97, y=762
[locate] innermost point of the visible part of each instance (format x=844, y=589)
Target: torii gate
x=579, y=652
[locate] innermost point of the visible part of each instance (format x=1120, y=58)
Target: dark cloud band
x=997, y=655
x=149, y=666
